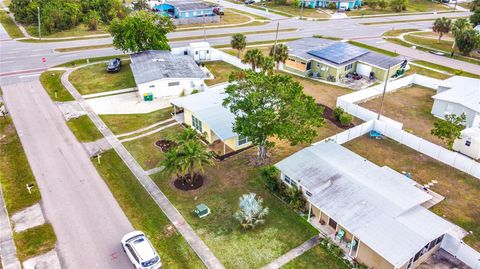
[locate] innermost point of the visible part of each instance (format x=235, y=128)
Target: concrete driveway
x=86, y=218
x=125, y=103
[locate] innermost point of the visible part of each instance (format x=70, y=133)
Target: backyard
x=411, y=106
x=461, y=191
x=124, y=123
x=99, y=80
x=220, y=70
x=412, y=6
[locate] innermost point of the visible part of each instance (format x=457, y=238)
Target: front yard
x=95, y=78
x=315, y=258
x=297, y=11
x=124, y=123
x=52, y=83
x=411, y=106
x=461, y=191
x=412, y=6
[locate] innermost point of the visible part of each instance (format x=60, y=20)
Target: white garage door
x=364, y=69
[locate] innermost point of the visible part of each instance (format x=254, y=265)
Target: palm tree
x=193, y=158
x=188, y=134
x=253, y=57
x=251, y=211
x=281, y=54
x=442, y=26
x=474, y=5
x=171, y=164
x=238, y=42
x=267, y=64
x=460, y=25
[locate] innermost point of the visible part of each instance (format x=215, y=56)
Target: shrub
x=332, y=5
x=345, y=119
x=251, y=211
x=195, y=91
x=297, y=201
x=91, y=20
x=337, y=112
x=269, y=175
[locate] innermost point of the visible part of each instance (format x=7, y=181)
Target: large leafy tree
x=254, y=57
x=141, y=31
x=399, y=5
x=140, y=5
x=475, y=17
x=271, y=106
x=279, y=53
x=442, y=26
x=449, y=129
x=238, y=42
x=467, y=41
x=251, y=212
x=475, y=5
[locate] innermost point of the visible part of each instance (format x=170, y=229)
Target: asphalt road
x=86, y=218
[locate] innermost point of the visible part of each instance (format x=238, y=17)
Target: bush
x=297, y=201
x=332, y=5
x=195, y=91
x=345, y=119
x=337, y=112
x=269, y=175
x=91, y=20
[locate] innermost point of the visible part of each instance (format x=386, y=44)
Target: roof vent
x=158, y=60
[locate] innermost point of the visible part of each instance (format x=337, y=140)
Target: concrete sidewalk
x=203, y=252
x=294, y=253
x=8, y=251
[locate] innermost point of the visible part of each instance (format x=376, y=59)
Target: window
x=468, y=143
x=197, y=124
x=332, y=223
x=185, y=52
x=196, y=52
x=309, y=194
x=290, y=181
x=287, y=179
x=151, y=86
x=242, y=140
x=130, y=249
x=171, y=84
x=348, y=67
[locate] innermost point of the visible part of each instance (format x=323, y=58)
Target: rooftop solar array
x=339, y=52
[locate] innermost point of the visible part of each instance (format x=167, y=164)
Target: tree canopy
x=280, y=55
x=238, y=42
x=442, y=26
x=467, y=41
x=475, y=17
x=450, y=128
x=271, y=106
x=253, y=57
x=399, y=5
x=141, y=31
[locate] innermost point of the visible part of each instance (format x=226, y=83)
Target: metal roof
x=190, y=5
x=338, y=53
x=153, y=65
x=378, y=205
x=207, y=107
x=464, y=91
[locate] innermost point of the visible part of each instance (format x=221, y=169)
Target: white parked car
x=140, y=251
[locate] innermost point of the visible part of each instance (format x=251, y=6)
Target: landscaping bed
x=99, y=80
x=328, y=114
x=461, y=191
x=165, y=145
x=124, y=123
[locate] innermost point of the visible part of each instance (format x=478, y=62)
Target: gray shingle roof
x=153, y=65
x=337, y=53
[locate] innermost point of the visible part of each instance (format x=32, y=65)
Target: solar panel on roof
x=339, y=53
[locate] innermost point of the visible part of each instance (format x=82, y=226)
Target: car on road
x=248, y=2
x=439, y=53
x=114, y=65
x=140, y=251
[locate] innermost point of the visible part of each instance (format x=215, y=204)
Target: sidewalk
x=158, y=196
x=294, y=253
x=8, y=251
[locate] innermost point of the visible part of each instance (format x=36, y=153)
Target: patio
x=356, y=84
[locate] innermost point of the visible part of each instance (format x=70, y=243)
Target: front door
x=202, y=55
x=332, y=223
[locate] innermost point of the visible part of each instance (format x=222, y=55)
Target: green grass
x=99, y=80
x=315, y=258
x=266, y=42
x=10, y=26
x=91, y=47
x=15, y=171
x=220, y=70
x=84, y=129
x=255, y=16
x=401, y=21
x=51, y=81
x=146, y=153
x=412, y=6
x=144, y=213
x=91, y=60
x=426, y=72
x=447, y=69
x=35, y=241
x=125, y=123
x=293, y=10
x=382, y=51
x=78, y=31
x=398, y=32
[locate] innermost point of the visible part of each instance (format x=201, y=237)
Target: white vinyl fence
x=461, y=251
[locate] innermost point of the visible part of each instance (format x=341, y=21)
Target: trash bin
x=150, y=96
x=145, y=97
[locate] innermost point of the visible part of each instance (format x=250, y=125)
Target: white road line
x=6, y=62
x=68, y=55
x=27, y=76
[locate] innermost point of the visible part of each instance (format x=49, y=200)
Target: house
x=340, y=4
x=469, y=143
x=199, y=51
x=181, y=9
x=457, y=95
x=205, y=113
x=331, y=60
x=375, y=211
x=161, y=74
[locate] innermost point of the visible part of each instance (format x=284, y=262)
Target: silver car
x=140, y=251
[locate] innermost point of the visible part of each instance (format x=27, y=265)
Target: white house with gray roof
x=375, y=211
x=161, y=74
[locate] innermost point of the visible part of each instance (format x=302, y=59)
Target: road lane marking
x=27, y=76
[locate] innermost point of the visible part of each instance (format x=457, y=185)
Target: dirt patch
x=328, y=114
x=182, y=184
x=165, y=145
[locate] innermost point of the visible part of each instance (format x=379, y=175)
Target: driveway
x=86, y=218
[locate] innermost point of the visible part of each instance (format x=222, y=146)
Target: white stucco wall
x=160, y=88
x=441, y=107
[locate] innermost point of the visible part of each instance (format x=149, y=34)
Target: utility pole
x=39, y=24
x=275, y=44
x=384, y=92
x=455, y=7
x=204, y=30
x=302, y=2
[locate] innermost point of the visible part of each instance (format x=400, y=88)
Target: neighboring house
x=199, y=51
x=205, y=113
x=185, y=9
x=331, y=60
x=457, y=95
x=469, y=143
x=377, y=210
x=340, y=4
x=160, y=74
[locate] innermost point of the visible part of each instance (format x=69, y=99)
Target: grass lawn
x=51, y=81
x=145, y=152
x=84, y=129
x=315, y=258
x=144, y=213
x=296, y=11
x=124, y=123
x=35, y=241
x=412, y=6
x=462, y=191
x=372, y=48
x=264, y=49
x=15, y=171
x=220, y=70
x=80, y=30
x=99, y=80
x=91, y=60
x=398, y=32
x=412, y=106
x=91, y=47
x=447, y=69
x=9, y=25
x=231, y=17
x=426, y=72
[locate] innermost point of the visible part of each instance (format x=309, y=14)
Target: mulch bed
x=180, y=183
x=165, y=145
x=328, y=114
